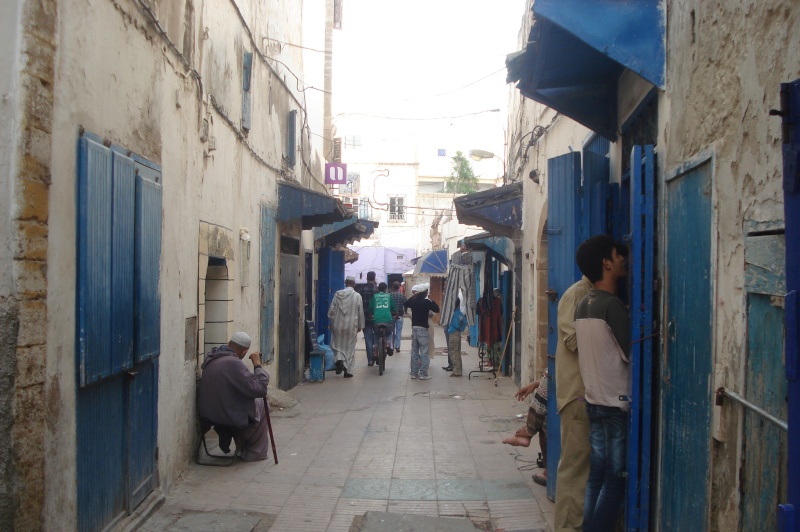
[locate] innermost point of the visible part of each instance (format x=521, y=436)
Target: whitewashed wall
x=118, y=78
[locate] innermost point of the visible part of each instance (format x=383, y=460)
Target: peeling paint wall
x=718, y=98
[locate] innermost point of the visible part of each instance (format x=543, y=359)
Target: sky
x=428, y=59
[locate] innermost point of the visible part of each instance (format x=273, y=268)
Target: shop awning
x=500, y=247
x=313, y=209
x=432, y=263
x=498, y=210
x=578, y=49
x=345, y=232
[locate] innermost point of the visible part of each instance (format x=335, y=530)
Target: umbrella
x=432, y=263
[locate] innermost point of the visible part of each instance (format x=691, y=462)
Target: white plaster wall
x=9, y=133
x=114, y=78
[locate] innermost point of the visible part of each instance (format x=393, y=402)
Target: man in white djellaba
x=346, y=316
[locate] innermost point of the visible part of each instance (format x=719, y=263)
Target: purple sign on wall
x=335, y=174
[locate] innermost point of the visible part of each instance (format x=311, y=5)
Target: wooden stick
x=269, y=426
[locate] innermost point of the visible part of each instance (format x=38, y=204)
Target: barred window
x=364, y=209
x=397, y=209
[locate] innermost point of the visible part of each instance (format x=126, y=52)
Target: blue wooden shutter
x=147, y=302
x=641, y=352
x=268, y=256
x=122, y=265
x=247, y=73
x=563, y=236
x=94, y=262
x=291, y=139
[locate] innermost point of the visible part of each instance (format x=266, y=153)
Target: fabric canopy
x=432, y=263
x=313, y=209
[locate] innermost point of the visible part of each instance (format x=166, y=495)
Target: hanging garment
x=460, y=280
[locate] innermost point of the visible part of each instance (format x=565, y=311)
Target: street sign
x=335, y=173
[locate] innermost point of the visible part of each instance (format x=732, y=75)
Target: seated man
x=230, y=398
x=535, y=423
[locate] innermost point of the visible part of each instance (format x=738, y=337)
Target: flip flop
x=539, y=479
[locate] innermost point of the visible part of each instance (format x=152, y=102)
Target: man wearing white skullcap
x=232, y=399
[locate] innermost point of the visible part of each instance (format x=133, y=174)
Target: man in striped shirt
x=397, y=327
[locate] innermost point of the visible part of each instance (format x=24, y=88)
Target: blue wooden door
x=563, y=238
x=595, y=190
x=686, y=371
x=118, y=330
x=330, y=268
x=788, y=520
x=641, y=273
x=269, y=254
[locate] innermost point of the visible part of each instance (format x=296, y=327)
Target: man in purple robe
x=232, y=399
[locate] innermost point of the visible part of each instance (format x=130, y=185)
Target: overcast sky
x=426, y=59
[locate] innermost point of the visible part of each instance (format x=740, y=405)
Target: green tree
x=462, y=179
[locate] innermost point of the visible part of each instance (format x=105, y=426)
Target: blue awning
x=578, y=49
x=312, y=208
x=498, y=210
x=345, y=232
x=500, y=247
x=432, y=263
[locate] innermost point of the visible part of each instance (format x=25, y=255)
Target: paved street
x=376, y=444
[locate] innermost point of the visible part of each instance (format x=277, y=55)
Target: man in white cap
x=346, y=316
x=420, y=306
x=231, y=398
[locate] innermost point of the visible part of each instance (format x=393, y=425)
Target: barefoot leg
x=518, y=441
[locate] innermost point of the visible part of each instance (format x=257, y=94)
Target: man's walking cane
x=269, y=426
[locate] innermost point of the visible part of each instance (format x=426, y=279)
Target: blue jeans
x=419, y=352
x=605, y=489
x=369, y=341
x=397, y=333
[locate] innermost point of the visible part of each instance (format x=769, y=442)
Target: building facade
x=664, y=137
x=161, y=175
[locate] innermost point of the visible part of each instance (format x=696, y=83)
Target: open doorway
x=216, y=304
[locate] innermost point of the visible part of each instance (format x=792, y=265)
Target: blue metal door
x=789, y=512
x=269, y=236
x=563, y=238
x=641, y=265
x=686, y=364
x=118, y=331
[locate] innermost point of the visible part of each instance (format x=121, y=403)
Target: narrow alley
x=376, y=443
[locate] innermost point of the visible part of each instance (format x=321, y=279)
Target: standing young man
x=573, y=464
x=601, y=326
x=420, y=305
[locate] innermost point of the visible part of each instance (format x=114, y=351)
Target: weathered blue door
x=269, y=253
x=788, y=518
x=641, y=266
x=330, y=267
x=563, y=238
x=118, y=334
x=686, y=367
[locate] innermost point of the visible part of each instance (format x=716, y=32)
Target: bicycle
x=380, y=347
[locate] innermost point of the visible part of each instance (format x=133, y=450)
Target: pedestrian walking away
x=420, y=306
x=382, y=311
x=399, y=301
x=367, y=291
x=601, y=326
x=346, y=315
